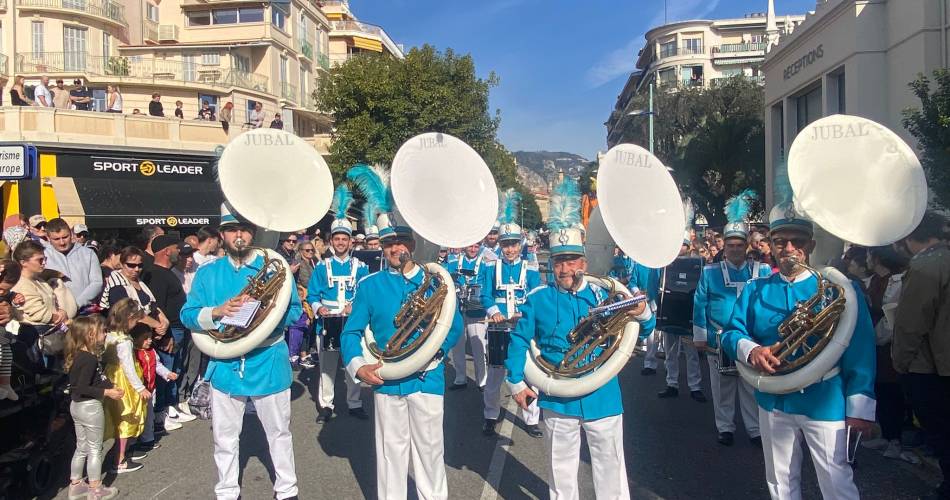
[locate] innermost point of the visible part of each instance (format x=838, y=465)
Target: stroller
x=36, y=432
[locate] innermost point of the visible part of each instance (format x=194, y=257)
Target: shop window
x=808, y=108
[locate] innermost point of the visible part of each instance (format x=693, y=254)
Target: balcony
x=685, y=50
x=732, y=49
x=150, y=31
x=360, y=28
x=135, y=70
x=305, y=48
x=323, y=61
x=719, y=82
x=168, y=33
x=288, y=91
x=4, y=70
x=107, y=10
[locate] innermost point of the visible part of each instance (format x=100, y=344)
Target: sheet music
x=244, y=315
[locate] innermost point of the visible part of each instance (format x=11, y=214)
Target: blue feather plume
x=689, y=211
x=510, y=201
x=342, y=199
x=783, y=187
x=370, y=211
x=565, y=205
x=738, y=207
x=373, y=182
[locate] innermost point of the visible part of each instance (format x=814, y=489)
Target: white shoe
x=7, y=392
x=183, y=418
x=183, y=409
x=172, y=412
x=875, y=444
x=171, y=424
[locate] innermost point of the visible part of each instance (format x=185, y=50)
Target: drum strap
x=341, y=283
x=511, y=299
x=478, y=265
x=738, y=285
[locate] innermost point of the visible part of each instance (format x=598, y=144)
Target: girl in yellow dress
x=127, y=415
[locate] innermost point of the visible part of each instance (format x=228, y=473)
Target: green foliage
x=379, y=102
x=930, y=125
x=713, y=138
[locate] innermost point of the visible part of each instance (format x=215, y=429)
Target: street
x=670, y=447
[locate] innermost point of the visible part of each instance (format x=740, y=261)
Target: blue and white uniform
x=474, y=319
x=408, y=411
x=505, y=286
x=548, y=315
x=817, y=412
x=719, y=287
x=332, y=285
x=263, y=375
x=648, y=279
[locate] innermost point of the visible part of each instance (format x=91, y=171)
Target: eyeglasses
x=290, y=241
x=796, y=242
x=41, y=260
x=307, y=250
x=130, y=265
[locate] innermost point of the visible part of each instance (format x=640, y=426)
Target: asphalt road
x=670, y=445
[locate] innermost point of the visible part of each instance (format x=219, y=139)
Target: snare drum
x=470, y=297
x=498, y=337
x=727, y=366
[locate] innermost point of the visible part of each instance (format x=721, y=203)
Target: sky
x=561, y=63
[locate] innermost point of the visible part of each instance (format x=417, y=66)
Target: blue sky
x=561, y=63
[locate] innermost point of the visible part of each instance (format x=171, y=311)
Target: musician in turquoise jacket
x=716, y=293
x=409, y=411
x=823, y=412
x=505, y=285
x=263, y=375
x=548, y=315
x=636, y=275
x=467, y=271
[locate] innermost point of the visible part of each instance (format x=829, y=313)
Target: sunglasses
x=307, y=250
x=41, y=225
x=796, y=242
x=133, y=266
x=290, y=241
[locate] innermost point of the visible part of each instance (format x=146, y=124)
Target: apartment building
x=350, y=37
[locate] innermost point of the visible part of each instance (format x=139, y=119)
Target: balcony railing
x=305, y=48
x=323, y=61
x=288, y=91
x=108, y=9
x=718, y=82
x=156, y=70
x=150, y=31
x=731, y=48
x=681, y=51
x=369, y=29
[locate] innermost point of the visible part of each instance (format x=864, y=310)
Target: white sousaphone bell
x=279, y=182
x=860, y=182
x=642, y=210
x=445, y=192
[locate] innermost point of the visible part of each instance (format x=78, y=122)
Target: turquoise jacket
x=716, y=295
x=763, y=304
x=548, y=315
x=518, y=274
x=378, y=298
x=476, y=266
x=265, y=370
x=335, y=289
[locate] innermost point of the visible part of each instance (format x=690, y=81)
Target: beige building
x=350, y=37
x=855, y=57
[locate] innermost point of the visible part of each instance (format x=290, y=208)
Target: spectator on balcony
x=155, y=106
x=81, y=96
x=256, y=118
x=206, y=113
x=135, y=111
x=179, y=112
x=277, y=122
x=61, y=96
x=42, y=95
x=17, y=93
x=115, y=99
x=226, y=115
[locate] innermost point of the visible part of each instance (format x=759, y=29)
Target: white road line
x=502, y=443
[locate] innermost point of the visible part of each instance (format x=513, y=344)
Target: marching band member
x=505, y=284
x=330, y=292
x=467, y=271
x=633, y=274
x=490, y=246
x=822, y=413
x=673, y=339
x=408, y=411
x=719, y=286
x=549, y=313
x=263, y=375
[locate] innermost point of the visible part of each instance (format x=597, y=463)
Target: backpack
x=200, y=400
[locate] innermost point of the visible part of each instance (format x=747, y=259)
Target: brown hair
x=26, y=250
x=11, y=271
x=81, y=336
x=57, y=225
x=130, y=252
x=120, y=314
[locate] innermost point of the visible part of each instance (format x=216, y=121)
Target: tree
x=380, y=102
x=713, y=138
x=930, y=125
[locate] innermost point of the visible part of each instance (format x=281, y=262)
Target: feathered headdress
x=783, y=187
x=784, y=213
x=342, y=199
x=373, y=182
x=739, y=206
x=689, y=211
x=510, y=201
x=564, y=209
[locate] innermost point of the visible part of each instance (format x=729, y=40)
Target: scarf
x=146, y=359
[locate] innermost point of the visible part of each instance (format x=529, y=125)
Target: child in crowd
x=128, y=413
x=298, y=332
x=9, y=275
x=87, y=388
x=150, y=367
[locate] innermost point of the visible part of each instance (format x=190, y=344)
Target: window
x=241, y=63
x=199, y=18
x=250, y=107
x=278, y=16
x=151, y=12
x=304, y=88
x=731, y=72
x=693, y=46
x=808, y=106
x=668, y=49
x=251, y=15
x=667, y=76
x=98, y=100
x=211, y=59
x=36, y=36
x=283, y=69
x=212, y=101
x=842, y=101
x=760, y=38
x=189, y=67
x=74, y=48
x=106, y=44
x=224, y=16
x=318, y=42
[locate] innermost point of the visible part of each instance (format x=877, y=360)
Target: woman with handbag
x=40, y=307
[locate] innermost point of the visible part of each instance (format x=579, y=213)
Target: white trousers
x=652, y=344
x=227, y=419
x=782, y=437
x=672, y=344
x=410, y=428
x=725, y=390
x=329, y=364
x=475, y=334
x=492, y=398
x=605, y=443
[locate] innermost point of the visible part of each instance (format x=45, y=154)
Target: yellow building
x=350, y=37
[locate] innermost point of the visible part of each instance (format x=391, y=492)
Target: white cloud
x=621, y=61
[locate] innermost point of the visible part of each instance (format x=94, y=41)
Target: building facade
x=350, y=37
x=855, y=57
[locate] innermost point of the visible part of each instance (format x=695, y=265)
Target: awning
x=743, y=60
x=110, y=203
x=367, y=43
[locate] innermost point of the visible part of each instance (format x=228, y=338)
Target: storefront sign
x=17, y=161
x=172, y=221
x=806, y=60
x=122, y=167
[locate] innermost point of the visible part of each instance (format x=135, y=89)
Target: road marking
x=502, y=444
